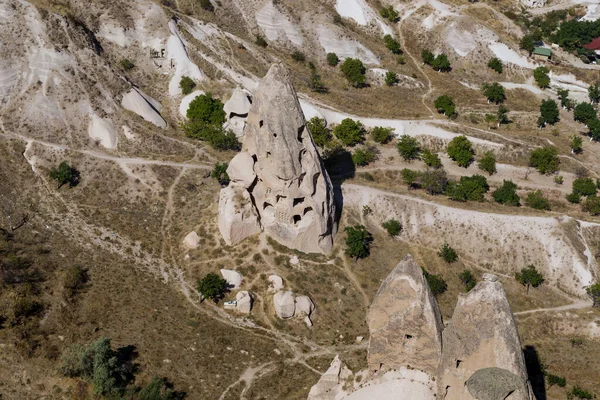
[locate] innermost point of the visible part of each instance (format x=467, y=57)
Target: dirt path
x=575, y=306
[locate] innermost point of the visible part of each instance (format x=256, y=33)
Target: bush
x=298, y=56
x=487, y=163
x=354, y=71
x=565, y=102
x=363, y=156
x=187, y=85
x=548, y=113
x=545, y=160
x=64, y=174
x=558, y=179
x=315, y=83
x=594, y=93
x=427, y=56
x=445, y=104
x=159, y=389
x=434, y=181
x=391, y=78
x=506, y=194
x=320, y=134
x=537, y=200
x=441, y=63
x=215, y=135
x=212, y=286
x=494, y=92
x=389, y=13
x=409, y=177
x=431, y=159
x=400, y=59
x=496, y=65
x=358, y=241
x=206, y=109
x=332, y=59
x=529, y=276
x=260, y=41
x=461, y=151
x=573, y=198
x=350, y=132
x=594, y=292
x=584, y=186
x=468, y=279
x=393, y=227
x=594, y=129
x=207, y=5
x=392, y=44
x=591, y=205
x=469, y=188
x=75, y=278
x=408, y=147
x=219, y=173
x=540, y=74
x=576, y=144
x=126, y=64
x=382, y=135
x=436, y=283
x=584, y=112
x=556, y=380
x=580, y=393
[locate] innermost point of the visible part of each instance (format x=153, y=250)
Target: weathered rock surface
x=238, y=104
x=331, y=383
x=275, y=283
x=232, y=277
x=481, y=335
x=305, y=306
x=191, y=240
x=284, y=303
x=244, y=301
x=493, y=383
x=405, y=322
x=534, y=3
x=241, y=170
x=402, y=384
x=292, y=198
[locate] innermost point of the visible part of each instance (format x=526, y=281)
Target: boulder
x=192, y=240
x=534, y=3
x=331, y=383
x=275, y=283
x=233, y=278
x=241, y=170
x=285, y=306
x=238, y=104
x=493, y=384
x=305, y=306
x=237, y=215
x=405, y=322
x=244, y=301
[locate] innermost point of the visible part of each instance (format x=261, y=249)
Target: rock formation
x=405, y=322
x=279, y=184
x=244, y=302
x=305, y=306
x=534, y=3
x=237, y=108
x=233, y=278
x=331, y=383
x=284, y=303
x=275, y=283
x=191, y=240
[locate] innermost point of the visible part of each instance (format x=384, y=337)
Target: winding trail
x=575, y=306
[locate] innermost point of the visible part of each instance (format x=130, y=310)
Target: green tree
x=187, y=85
x=212, y=286
x=469, y=188
x=214, y=134
x=594, y=93
x=468, y=279
x=219, y=173
x=431, y=159
x=260, y=41
x=392, y=44
x=358, y=241
x=502, y=115
x=206, y=109
x=436, y=283
x=506, y=194
x=573, y=198
x=565, y=102
x=576, y=144
x=427, y=57
x=409, y=148
x=537, y=200
x=594, y=292
x=496, y=65
x=548, y=113
x=64, y=174
x=441, y=63
x=487, y=163
x=591, y=205
x=363, y=156
x=445, y=104
x=389, y=13
x=159, y=389
x=315, y=83
x=320, y=134
x=391, y=78
x=354, y=71
x=332, y=59
x=382, y=135
x=594, y=129
x=461, y=151
x=540, y=74
x=527, y=43
x=448, y=254
x=494, y=92
x=434, y=181
x=545, y=159
x=350, y=132
x=409, y=177
x=393, y=227
x=298, y=56
x=584, y=187
x=584, y=112
x=529, y=276
x=559, y=381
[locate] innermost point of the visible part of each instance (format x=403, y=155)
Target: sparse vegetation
x=545, y=160
x=448, y=254
x=578, y=392
x=393, y=227
x=391, y=78
x=350, y=132
x=219, y=173
x=408, y=147
x=555, y=380
x=358, y=241
x=529, y=276
x=468, y=279
x=212, y=286
x=461, y=151
x=187, y=85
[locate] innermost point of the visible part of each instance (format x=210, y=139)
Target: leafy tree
x=392, y=44
x=431, y=159
x=126, y=64
x=527, y=43
x=448, y=254
x=215, y=135
x=204, y=108
x=64, y=174
x=469, y=188
x=496, y=65
x=559, y=381
x=436, y=283
x=354, y=71
x=537, y=200
x=159, y=389
x=594, y=127
x=434, y=181
x=545, y=159
x=549, y=113
x=573, y=198
x=393, y=227
x=358, y=241
x=389, y=13
x=502, y=115
x=594, y=292
x=260, y=41
x=576, y=144
x=565, y=102
x=529, y=276
x=540, y=74
x=584, y=112
x=487, y=163
x=298, y=56
x=408, y=147
x=382, y=135
x=584, y=187
x=409, y=177
x=391, y=78
x=350, y=132
x=468, y=279
x=427, y=56
x=506, y=194
x=363, y=156
x=212, y=286
x=461, y=151
x=591, y=205
x=441, y=63
x=445, y=104
x=332, y=59
x=594, y=93
x=320, y=134
x=219, y=173
x=187, y=85
x=494, y=92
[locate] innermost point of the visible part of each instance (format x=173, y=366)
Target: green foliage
x=584, y=187
x=594, y=93
x=576, y=144
x=75, y=277
x=441, y=63
x=219, y=173
x=565, y=102
x=573, y=34
x=206, y=109
x=159, y=389
x=594, y=127
x=126, y=64
x=320, y=134
x=187, y=85
x=391, y=78
x=409, y=177
x=215, y=135
x=212, y=286
x=494, y=92
x=468, y=279
x=445, y=104
x=354, y=71
x=389, y=13
x=558, y=179
x=350, y=132
x=260, y=41
x=431, y=159
x=529, y=276
x=400, y=59
x=573, y=198
x=537, y=200
x=580, y=393
x=594, y=292
x=364, y=156
x=502, y=115
x=332, y=59
x=527, y=43
x=548, y=113
x=584, y=112
x=427, y=56
x=64, y=174
x=408, y=147
x=487, y=163
x=556, y=380
x=591, y=205
x=382, y=135
x=436, y=283
x=468, y=188
x=358, y=241
x=461, y=151
x=506, y=194
x=315, y=82
x=207, y=5
x=540, y=74
x=392, y=44
x=298, y=56
x=434, y=181
x=545, y=160
x=393, y=227
x=496, y=65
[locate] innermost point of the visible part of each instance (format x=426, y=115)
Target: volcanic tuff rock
x=291, y=197
x=331, y=383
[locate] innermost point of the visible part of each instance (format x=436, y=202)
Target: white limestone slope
x=177, y=52
x=103, y=131
x=277, y=26
x=508, y=55
x=145, y=106
x=343, y=47
x=362, y=13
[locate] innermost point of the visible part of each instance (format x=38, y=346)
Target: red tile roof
x=593, y=45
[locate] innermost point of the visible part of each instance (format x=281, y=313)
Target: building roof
x=593, y=45
x=542, y=51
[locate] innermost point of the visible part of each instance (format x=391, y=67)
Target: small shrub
x=400, y=59
x=448, y=254
x=389, y=13
x=434, y=181
x=219, y=173
x=409, y=177
x=408, y=147
x=392, y=44
x=540, y=74
x=358, y=241
x=537, y=200
x=431, y=159
x=584, y=186
x=391, y=78
x=393, y=227
x=354, y=71
x=556, y=380
x=427, y=56
x=260, y=41
x=468, y=279
x=545, y=160
x=573, y=198
x=298, y=56
x=187, y=85
x=461, y=151
x=576, y=144
x=320, y=133
x=332, y=59
x=350, y=132
x=382, y=135
x=580, y=393
x=496, y=65
x=436, y=283
x=487, y=163
x=594, y=292
x=558, y=179
x=468, y=188
x=127, y=64
x=364, y=156
x=592, y=205
x=75, y=278
x=506, y=194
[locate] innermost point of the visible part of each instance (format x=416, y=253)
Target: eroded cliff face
x=279, y=173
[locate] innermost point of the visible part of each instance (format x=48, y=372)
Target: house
x=542, y=53
x=594, y=45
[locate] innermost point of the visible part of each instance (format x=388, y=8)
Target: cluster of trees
x=205, y=118
x=585, y=187
x=587, y=115
x=389, y=13
x=439, y=63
